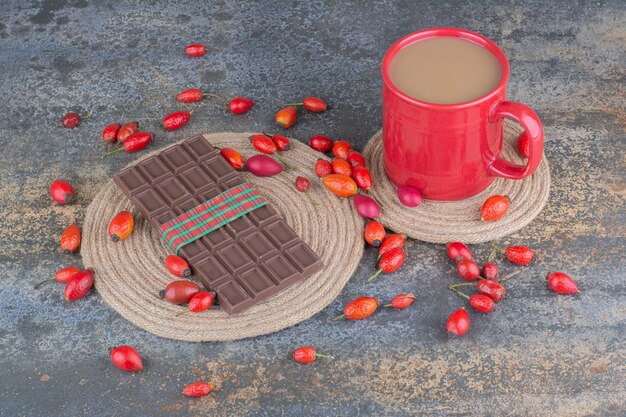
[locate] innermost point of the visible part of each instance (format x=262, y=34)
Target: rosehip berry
x=177, y=266
x=362, y=177
x=490, y=270
x=79, y=285
x=195, y=50
x=468, y=270
x=323, y=168
x=240, y=105
x=494, y=208
x=321, y=143
x=458, y=323
x=287, y=117
x=390, y=262
x=314, y=104
x=197, y=389
x=121, y=226
x=281, y=142
x=481, y=303
x=191, y=95
x=263, y=143
x=126, y=358
x=109, y=133
x=302, y=184
x=374, y=233
x=70, y=239
x=359, y=308
x=179, y=292
x=523, y=145
x=233, y=157
x=340, y=185
x=307, y=354
x=341, y=166
x=201, y=301
x=394, y=241
x=341, y=149
x=355, y=158
x=61, y=192
x=458, y=251
x=176, y=120
x=71, y=120
x=561, y=283
x=520, y=255
x=491, y=288
x=401, y=301
x=127, y=131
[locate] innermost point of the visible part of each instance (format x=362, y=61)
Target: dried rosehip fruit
x=195, y=50
x=287, y=117
x=458, y=251
x=233, y=157
x=401, y=301
x=126, y=358
x=121, y=226
x=79, y=285
x=362, y=177
x=70, y=239
x=374, y=233
x=62, y=275
x=179, y=292
x=197, y=389
x=561, y=283
x=61, y=192
x=359, y=308
x=307, y=354
x=323, y=168
x=240, y=105
x=458, y=323
x=390, y=262
x=341, y=149
x=201, y=301
x=321, y=143
x=177, y=266
x=341, y=166
x=176, y=120
x=494, y=208
x=340, y=185
x=467, y=269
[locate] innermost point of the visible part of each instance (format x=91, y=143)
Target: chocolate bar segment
x=245, y=261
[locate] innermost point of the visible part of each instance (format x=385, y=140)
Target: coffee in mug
x=445, y=70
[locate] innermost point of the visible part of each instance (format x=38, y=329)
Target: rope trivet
x=130, y=273
x=441, y=222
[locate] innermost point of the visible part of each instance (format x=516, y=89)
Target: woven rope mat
x=129, y=274
x=441, y=222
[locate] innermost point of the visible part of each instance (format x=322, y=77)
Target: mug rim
x=439, y=32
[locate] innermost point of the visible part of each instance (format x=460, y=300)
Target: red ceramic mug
x=452, y=151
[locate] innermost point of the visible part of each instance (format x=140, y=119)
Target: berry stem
x=290, y=104
x=370, y=279
x=214, y=95
x=287, y=166
x=321, y=355
x=39, y=284
x=512, y=274
x=459, y=285
x=497, y=248
x=310, y=198
x=339, y=316
x=462, y=294
x=492, y=255
x=112, y=152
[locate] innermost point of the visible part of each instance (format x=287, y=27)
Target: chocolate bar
x=245, y=261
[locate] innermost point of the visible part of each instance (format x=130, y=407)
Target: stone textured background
x=540, y=354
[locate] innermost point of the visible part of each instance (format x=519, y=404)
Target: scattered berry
x=490, y=270
x=467, y=269
x=409, y=196
x=307, y=354
x=287, y=117
x=126, y=131
x=314, y=104
x=366, y=206
x=482, y=303
x=355, y=158
x=263, y=166
x=359, y=308
x=391, y=242
x=523, y=145
x=201, y=301
x=109, y=133
x=374, y=233
x=321, y=143
x=71, y=120
x=61, y=192
x=520, y=255
x=281, y=142
x=341, y=166
x=126, y=358
x=233, y=157
x=79, y=285
x=191, y=95
x=494, y=208
x=179, y=292
x=70, y=239
x=458, y=322
x=458, y=251
x=177, y=266
x=263, y=143
x=197, y=389
x=491, y=288
x=340, y=185
x=401, y=301
x=341, y=149
x=362, y=177
x=121, y=226
x=561, y=283
x=240, y=105
x=323, y=168
x=195, y=50
x=390, y=262
x=176, y=120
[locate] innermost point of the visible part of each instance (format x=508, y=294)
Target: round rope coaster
x=441, y=222
x=130, y=274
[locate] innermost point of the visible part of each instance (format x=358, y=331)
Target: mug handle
x=529, y=120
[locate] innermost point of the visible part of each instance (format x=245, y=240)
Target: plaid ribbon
x=210, y=215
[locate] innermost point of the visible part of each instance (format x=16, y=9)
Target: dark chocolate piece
x=245, y=261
